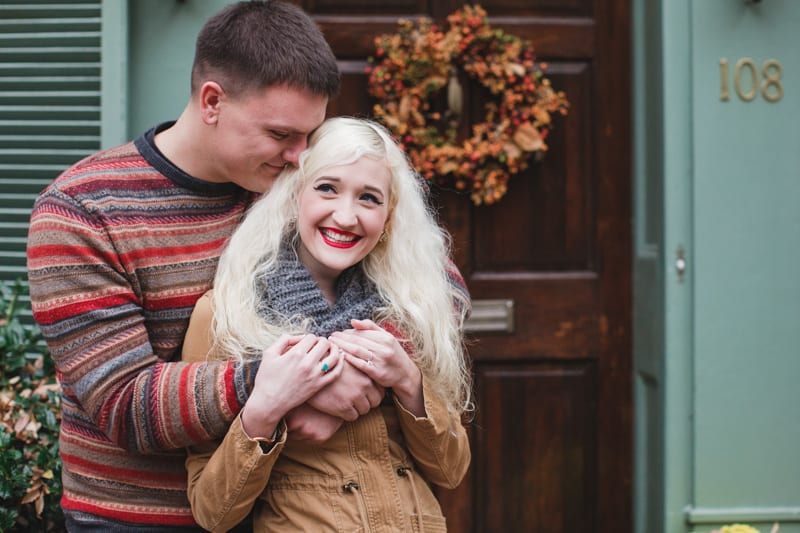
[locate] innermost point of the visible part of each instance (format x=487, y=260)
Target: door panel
x=542, y=418
x=552, y=429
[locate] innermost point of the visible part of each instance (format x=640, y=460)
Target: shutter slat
x=49, y=25
x=22, y=112
x=50, y=97
x=87, y=142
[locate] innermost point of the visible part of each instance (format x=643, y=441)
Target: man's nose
x=292, y=154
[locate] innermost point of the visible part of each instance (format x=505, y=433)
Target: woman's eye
x=368, y=197
x=325, y=187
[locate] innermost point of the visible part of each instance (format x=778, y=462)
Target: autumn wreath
x=408, y=76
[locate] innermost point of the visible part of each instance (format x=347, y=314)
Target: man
x=122, y=245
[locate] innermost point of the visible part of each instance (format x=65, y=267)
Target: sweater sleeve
x=438, y=442
x=462, y=301
x=89, y=308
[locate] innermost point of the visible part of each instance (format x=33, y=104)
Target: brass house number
x=749, y=80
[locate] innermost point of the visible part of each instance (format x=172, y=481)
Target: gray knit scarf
x=290, y=295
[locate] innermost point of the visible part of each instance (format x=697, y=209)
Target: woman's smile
x=339, y=239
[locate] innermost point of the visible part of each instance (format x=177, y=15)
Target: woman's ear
x=386, y=229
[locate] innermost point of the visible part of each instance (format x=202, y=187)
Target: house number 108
x=770, y=86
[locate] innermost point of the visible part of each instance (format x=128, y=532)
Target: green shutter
x=49, y=106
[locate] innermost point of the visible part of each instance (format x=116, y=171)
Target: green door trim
x=751, y=515
x=114, y=73
x=663, y=298
x=679, y=290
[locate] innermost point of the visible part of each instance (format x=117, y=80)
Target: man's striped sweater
x=120, y=247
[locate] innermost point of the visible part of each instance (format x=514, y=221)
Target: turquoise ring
x=325, y=367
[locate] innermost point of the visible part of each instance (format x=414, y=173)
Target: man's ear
x=211, y=96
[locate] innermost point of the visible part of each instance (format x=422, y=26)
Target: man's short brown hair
x=261, y=43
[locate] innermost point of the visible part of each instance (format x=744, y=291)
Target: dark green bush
x=30, y=412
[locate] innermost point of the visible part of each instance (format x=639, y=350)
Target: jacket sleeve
x=438, y=442
x=226, y=480
x=89, y=308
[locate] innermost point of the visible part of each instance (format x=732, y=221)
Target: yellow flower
x=737, y=528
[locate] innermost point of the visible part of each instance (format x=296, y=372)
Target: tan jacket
x=373, y=475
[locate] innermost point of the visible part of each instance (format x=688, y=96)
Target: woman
x=345, y=256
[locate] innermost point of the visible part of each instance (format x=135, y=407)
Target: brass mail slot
x=491, y=316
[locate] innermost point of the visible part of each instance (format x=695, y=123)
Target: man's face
x=257, y=134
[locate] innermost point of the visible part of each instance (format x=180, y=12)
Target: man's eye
x=280, y=135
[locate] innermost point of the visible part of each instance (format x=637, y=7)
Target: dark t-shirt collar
x=146, y=145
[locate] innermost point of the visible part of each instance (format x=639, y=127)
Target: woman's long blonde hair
x=407, y=266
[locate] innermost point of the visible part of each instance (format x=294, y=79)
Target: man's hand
x=353, y=394
x=307, y=424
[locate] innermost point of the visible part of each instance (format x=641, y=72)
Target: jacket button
x=403, y=471
x=350, y=486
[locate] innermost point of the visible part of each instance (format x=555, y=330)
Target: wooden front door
x=552, y=431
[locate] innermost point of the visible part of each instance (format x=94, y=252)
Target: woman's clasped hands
x=378, y=354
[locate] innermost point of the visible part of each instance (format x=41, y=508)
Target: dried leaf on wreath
x=405, y=108
x=448, y=166
x=516, y=69
x=512, y=150
x=541, y=115
x=528, y=138
x=433, y=82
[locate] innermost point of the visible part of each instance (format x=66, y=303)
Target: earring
x=382, y=238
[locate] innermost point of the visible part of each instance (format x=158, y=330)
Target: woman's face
x=342, y=215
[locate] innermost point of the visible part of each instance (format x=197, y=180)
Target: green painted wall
x=746, y=211
x=716, y=350
x=162, y=35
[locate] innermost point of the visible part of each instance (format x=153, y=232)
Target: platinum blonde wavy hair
x=407, y=267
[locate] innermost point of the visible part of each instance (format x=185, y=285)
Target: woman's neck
x=324, y=277
x=328, y=288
